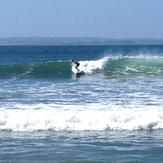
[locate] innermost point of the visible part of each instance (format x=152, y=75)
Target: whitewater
x=102, y=117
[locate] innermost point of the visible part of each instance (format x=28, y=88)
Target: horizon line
x=82, y=37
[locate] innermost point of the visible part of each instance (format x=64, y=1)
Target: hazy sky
x=78, y=18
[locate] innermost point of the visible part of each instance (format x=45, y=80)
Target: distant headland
x=85, y=41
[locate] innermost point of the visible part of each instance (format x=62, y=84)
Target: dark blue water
x=32, y=54
x=112, y=113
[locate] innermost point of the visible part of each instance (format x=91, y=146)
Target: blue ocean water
x=112, y=113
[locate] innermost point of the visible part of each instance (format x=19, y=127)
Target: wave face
x=36, y=70
x=108, y=66
x=55, y=69
x=145, y=65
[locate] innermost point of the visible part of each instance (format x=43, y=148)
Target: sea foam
x=79, y=117
x=91, y=66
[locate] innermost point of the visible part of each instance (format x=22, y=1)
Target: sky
x=82, y=18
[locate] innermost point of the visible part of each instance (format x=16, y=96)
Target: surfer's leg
x=77, y=67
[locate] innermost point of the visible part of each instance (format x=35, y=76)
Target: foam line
x=78, y=117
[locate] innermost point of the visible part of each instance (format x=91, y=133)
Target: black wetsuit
x=77, y=64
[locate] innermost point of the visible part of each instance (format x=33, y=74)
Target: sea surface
x=112, y=113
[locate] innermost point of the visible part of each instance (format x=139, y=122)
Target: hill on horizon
x=77, y=41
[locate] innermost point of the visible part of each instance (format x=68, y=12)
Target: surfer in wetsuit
x=76, y=63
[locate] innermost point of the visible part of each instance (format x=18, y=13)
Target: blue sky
x=82, y=18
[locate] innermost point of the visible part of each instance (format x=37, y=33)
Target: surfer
x=76, y=63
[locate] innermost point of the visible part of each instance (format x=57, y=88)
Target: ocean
x=111, y=113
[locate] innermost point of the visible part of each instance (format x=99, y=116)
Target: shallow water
x=82, y=146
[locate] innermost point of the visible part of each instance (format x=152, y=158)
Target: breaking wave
x=109, y=66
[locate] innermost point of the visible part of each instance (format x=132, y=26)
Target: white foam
x=134, y=56
x=79, y=117
x=91, y=66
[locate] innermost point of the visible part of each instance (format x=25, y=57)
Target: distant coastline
x=77, y=41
